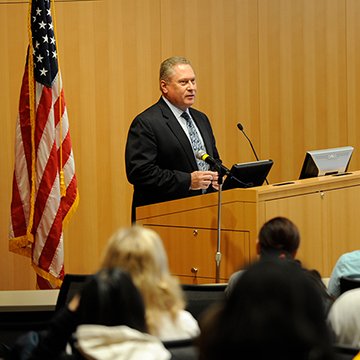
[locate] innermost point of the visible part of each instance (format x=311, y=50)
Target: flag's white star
x=43, y=72
x=45, y=39
x=39, y=58
x=42, y=25
x=52, y=40
x=54, y=55
x=38, y=11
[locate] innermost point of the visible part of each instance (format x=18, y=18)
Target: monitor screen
x=326, y=162
x=248, y=174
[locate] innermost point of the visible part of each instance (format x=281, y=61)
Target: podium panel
x=306, y=212
x=325, y=209
x=193, y=250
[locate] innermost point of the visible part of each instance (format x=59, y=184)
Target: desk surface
x=28, y=300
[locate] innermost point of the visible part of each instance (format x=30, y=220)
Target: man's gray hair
x=167, y=66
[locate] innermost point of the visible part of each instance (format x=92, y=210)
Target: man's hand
x=203, y=179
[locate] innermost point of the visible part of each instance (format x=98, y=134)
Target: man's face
x=180, y=89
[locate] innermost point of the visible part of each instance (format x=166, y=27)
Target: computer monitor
x=248, y=174
x=326, y=162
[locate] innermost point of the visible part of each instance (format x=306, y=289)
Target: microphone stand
x=222, y=170
x=218, y=246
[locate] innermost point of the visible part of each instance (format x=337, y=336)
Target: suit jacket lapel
x=178, y=132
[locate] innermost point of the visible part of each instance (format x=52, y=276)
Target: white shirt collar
x=175, y=110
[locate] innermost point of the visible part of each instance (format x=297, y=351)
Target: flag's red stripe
x=68, y=200
x=62, y=272
x=66, y=144
x=56, y=107
x=45, y=186
x=42, y=114
x=24, y=121
x=66, y=149
x=17, y=212
x=52, y=242
x=43, y=283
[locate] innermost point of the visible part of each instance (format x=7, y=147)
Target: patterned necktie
x=195, y=141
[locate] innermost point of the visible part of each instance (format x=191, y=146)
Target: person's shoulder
x=186, y=320
x=348, y=301
x=197, y=113
x=352, y=255
x=181, y=326
x=236, y=275
x=153, y=113
x=186, y=315
x=233, y=281
x=156, y=107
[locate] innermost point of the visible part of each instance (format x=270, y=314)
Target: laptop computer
x=326, y=162
x=248, y=174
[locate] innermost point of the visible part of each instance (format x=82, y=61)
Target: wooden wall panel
x=220, y=38
x=353, y=76
x=302, y=80
x=287, y=70
x=111, y=77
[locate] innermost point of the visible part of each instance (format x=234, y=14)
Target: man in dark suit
x=161, y=151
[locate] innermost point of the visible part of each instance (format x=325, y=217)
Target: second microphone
x=219, y=167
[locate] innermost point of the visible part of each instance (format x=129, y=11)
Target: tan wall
x=287, y=70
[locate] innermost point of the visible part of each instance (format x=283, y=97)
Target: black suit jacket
x=159, y=157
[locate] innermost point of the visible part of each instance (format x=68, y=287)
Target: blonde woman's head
x=140, y=251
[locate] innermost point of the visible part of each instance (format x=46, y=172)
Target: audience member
x=108, y=319
x=273, y=312
x=344, y=318
x=279, y=238
x=141, y=252
x=348, y=264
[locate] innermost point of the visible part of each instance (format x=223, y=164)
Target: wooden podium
x=326, y=210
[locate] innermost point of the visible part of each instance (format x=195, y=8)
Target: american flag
x=45, y=191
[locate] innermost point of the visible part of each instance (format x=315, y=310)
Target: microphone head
x=200, y=154
x=241, y=128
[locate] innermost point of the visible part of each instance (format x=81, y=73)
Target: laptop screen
x=326, y=162
x=249, y=174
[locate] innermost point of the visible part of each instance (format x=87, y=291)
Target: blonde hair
x=167, y=66
x=140, y=251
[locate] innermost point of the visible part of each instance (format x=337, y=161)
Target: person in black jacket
x=274, y=311
x=279, y=238
x=109, y=299
x=160, y=156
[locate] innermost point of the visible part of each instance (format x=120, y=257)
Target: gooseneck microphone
x=202, y=155
x=241, y=128
x=219, y=167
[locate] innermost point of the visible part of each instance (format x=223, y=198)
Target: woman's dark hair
x=274, y=311
x=110, y=298
x=279, y=236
